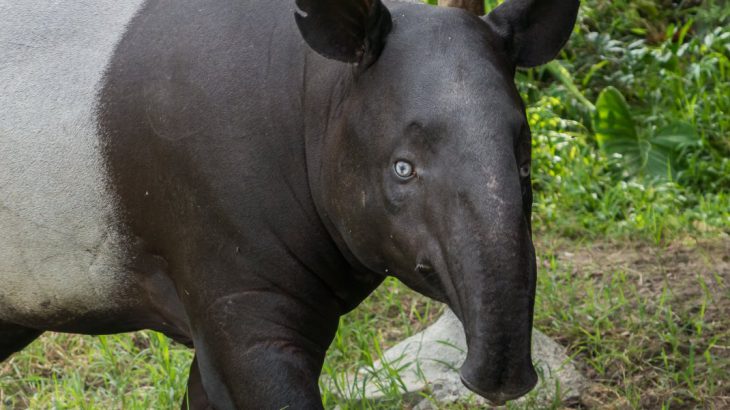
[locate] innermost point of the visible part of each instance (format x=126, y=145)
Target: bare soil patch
x=683, y=266
x=667, y=339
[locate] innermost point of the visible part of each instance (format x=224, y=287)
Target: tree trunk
x=475, y=6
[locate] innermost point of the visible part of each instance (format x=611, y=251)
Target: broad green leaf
x=666, y=147
x=676, y=136
x=616, y=130
x=658, y=156
x=659, y=162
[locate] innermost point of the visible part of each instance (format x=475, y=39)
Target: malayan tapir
x=239, y=174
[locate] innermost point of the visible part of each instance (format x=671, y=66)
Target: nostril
x=429, y=282
x=424, y=267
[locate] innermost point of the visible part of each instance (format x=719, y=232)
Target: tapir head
x=427, y=171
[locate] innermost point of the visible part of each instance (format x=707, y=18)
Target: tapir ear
x=534, y=31
x=352, y=31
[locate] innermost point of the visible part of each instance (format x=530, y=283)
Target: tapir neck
x=325, y=87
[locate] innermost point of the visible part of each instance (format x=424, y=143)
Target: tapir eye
x=404, y=169
x=525, y=170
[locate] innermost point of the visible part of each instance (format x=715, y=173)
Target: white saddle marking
x=59, y=252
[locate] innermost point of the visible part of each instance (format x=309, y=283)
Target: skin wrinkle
x=244, y=310
x=313, y=274
x=303, y=103
x=278, y=344
x=456, y=297
x=280, y=288
x=95, y=254
x=296, y=198
x=271, y=47
x=19, y=216
x=39, y=284
x=462, y=286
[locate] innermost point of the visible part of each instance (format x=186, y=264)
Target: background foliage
x=649, y=157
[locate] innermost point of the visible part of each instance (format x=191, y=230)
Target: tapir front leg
x=195, y=397
x=261, y=349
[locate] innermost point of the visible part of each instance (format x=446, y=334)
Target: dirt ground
x=696, y=275
x=679, y=265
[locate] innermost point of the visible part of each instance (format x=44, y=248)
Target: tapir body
x=239, y=174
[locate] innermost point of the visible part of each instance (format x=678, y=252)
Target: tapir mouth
x=502, y=397
x=498, y=363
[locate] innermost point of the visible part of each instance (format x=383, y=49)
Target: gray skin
x=254, y=158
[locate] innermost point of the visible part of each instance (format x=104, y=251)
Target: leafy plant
x=658, y=155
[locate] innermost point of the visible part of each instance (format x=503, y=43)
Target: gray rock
x=429, y=362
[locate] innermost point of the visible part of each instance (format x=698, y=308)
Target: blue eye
x=404, y=169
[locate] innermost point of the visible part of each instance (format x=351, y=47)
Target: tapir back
x=59, y=252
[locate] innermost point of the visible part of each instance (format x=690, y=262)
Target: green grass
x=140, y=371
x=647, y=337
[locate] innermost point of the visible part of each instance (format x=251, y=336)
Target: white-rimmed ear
x=534, y=31
x=351, y=31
